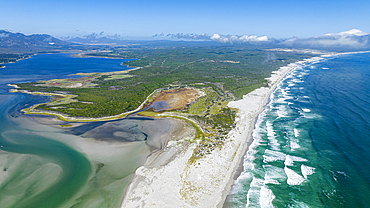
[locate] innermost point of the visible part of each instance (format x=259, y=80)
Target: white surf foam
x=280, y=100
x=293, y=178
x=298, y=204
x=307, y=170
x=272, y=156
x=289, y=160
x=238, y=182
x=273, y=174
x=266, y=197
x=296, y=132
x=294, y=145
x=297, y=80
x=282, y=111
x=271, y=137
x=342, y=173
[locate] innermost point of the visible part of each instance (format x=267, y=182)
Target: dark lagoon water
x=311, y=144
x=38, y=171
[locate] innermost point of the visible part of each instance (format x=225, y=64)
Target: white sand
x=207, y=182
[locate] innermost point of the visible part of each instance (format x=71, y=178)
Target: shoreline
x=275, y=80
x=207, y=182
x=31, y=110
x=64, y=117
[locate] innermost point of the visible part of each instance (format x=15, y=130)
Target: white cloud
x=253, y=38
x=353, y=38
x=342, y=41
x=215, y=36
x=235, y=38
x=219, y=37
x=353, y=32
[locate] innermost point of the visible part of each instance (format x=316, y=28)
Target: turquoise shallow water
x=311, y=144
x=37, y=171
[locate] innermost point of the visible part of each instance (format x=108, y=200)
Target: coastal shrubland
x=235, y=70
x=10, y=58
x=222, y=74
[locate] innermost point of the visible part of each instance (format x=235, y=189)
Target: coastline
x=63, y=117
x=208, y=182
x=264, y=94
x=275, y=79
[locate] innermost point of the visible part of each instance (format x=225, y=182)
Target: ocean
x=311, y=144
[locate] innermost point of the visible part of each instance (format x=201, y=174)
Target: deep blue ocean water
x=311, y=144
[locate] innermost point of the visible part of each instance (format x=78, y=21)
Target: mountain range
x=344, y=41
x=18, y=42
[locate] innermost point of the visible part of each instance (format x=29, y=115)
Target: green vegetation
x=234, y=70
x=203, y=103
x=9, y=58
x=117, y=76
x=66, y=125
x=148, y=113
x=223, y=73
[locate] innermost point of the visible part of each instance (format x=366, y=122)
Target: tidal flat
x=44, y=164
x=112, y=152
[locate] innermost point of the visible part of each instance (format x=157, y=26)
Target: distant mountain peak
x=20, y=43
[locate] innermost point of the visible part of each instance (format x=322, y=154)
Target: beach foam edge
x=208, y=182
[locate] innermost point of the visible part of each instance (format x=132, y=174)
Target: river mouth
x=45, y=165
x=95, y=166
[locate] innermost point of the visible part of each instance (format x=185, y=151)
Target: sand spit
x=208, y=181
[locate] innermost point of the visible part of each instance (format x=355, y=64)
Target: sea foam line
x=156, y=185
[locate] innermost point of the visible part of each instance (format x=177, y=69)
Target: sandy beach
x=206, y=183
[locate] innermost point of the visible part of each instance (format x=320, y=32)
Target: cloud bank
x=216, y=37
x=238, y=39
x=353, y=38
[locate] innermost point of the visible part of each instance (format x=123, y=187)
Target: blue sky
x=141, y=18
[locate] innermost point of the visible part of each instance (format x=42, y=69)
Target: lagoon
x=45, y=165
